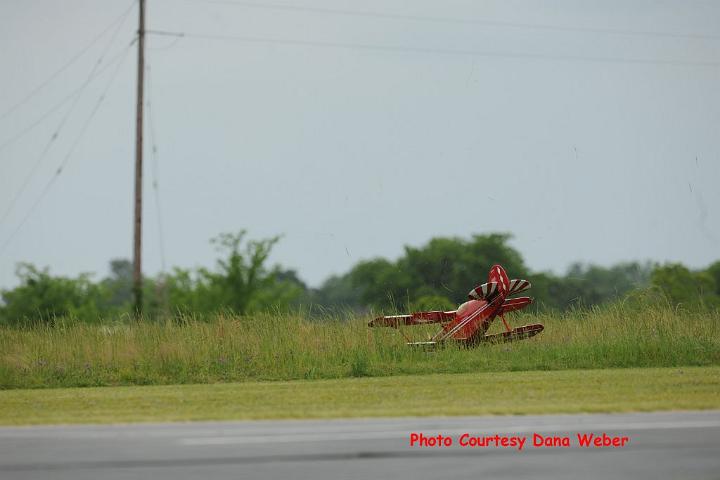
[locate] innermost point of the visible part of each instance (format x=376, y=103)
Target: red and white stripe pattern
x=440, y=336
x=517, y=286
x=484, y=291
x=498, y=274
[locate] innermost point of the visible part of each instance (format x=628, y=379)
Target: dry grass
x=292, y=346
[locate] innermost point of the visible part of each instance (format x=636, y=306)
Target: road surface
x=659, y=445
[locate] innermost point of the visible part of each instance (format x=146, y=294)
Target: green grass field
x=566, y=391
x=290, y=347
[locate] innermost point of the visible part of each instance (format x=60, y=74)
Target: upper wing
x=517, y=286
x=512, y=304
x=417, y=318
x=484, y=291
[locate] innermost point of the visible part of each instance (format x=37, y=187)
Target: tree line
x=435, y=276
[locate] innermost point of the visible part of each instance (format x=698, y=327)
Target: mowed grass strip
x=568, y=391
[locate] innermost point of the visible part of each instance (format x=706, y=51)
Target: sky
x=590, y=130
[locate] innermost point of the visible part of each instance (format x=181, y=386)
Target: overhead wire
x=155, y=170
x=169, y=46
x=51, y=140
x=67, y=157
x=455, y=20
x=56, y=133
x=75, y=95
x=437, y=51
x=121, y=18
x=31, y=126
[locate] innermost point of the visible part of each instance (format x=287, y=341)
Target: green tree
x=432, y=302
x=43, y=298
x=119, y=285
x=714, y=271
x=337, y=291
x=588, y=285
x=241, y=281
x=450, y=267
x=381, y=283
x=682, y=286
x=447, y=268
x=444, y=268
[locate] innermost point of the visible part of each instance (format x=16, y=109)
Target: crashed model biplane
x=468, y=324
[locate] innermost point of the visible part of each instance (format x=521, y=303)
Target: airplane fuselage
x=472, y=320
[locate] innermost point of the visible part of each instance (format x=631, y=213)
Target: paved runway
x=660, y=445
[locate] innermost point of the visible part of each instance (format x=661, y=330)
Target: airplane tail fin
x=499, y=276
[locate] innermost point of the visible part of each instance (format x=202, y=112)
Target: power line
x=121, y=18
x=62, y=123
x=66, y=159
x=436, y=51
x=52, y=140
x=458, y=20
x=155, y=169
x=59, y=104
x=169, y=46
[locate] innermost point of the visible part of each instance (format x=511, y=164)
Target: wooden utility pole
x=137, y=236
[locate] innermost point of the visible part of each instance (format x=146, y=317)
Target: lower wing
x=512, y=304
x=417, y=318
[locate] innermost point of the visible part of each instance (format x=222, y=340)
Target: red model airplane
x=473, y=318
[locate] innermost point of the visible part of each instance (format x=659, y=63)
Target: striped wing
x=417, y=318
x=484, y=291
x=512, y=304
x=517, y=286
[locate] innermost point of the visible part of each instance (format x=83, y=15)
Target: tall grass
x=292, y=346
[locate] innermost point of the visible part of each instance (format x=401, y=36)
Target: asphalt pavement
x=658, y=445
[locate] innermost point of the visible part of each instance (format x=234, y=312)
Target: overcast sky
x=590, y=130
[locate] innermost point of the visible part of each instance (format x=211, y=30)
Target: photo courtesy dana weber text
x=518, y=442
